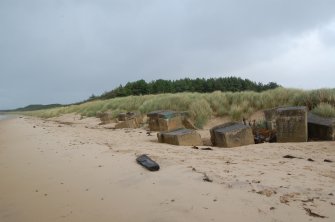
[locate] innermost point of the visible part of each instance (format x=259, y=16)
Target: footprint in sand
x=286, y=198
x=267, y=192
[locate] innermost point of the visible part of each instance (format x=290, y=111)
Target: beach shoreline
x=73, y=169
x=3, y=116
x=7, y=116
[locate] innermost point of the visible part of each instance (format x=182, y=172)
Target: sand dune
x=72, y=169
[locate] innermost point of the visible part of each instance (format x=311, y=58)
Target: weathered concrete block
x=181, y=137
x=270, y=118
x=130, y=115
x=153, y=124
x=231, y=134
x=170, y=124
x=129, y=123
x=291, y=124
x=164, y=120
x=122, y=117
x=321, y=128
x=105, y=117
x=165, y=114
x=153, y=120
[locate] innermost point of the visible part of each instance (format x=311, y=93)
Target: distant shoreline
x=5, y=116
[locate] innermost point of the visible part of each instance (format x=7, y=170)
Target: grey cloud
x=62, y=51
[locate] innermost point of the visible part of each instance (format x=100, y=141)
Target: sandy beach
x=72, y=169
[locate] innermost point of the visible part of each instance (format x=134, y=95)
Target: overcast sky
x=62, y=51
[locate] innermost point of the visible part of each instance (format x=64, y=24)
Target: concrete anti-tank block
x=321, y=128
x=130, y=115
x=164, y=120
x=129, y=123
x=291, y=124
x=170, y=124
x=181, y=137
x=105, y=117
x=231, y=134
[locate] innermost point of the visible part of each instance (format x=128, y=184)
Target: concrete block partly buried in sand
x=130, y=115
x=164, y=120
x=129, y=123
x=181, y=137
x=320, y=128
x=122, y=117
x=105, y=117
x=170, y=124
x=291, y=124
x=231, y=134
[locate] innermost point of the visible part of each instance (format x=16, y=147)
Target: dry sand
x=67, y=169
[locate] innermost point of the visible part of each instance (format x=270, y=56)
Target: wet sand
x=72, y=169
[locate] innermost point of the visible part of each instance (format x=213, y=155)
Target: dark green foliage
x=232, y=84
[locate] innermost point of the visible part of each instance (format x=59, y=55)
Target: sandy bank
x=68, y=169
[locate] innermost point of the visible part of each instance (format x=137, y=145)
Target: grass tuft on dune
x=325, y=110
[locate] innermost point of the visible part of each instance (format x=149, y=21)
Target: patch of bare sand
x=77, y=170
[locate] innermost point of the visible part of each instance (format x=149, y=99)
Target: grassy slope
x=201, y=106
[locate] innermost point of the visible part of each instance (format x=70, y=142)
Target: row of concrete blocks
x=226, y=135
x=157, y=120
x=172, y=126
x=292, y=124
x=175, y=128
x=289, y=122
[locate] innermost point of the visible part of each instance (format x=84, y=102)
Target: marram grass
x=325, y=110
x=202, y=106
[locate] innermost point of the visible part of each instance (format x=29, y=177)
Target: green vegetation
x=141, y=87
x=325, y=110
x=34, y=107
x=202, y=106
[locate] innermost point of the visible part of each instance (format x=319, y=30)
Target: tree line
x=201, y=85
